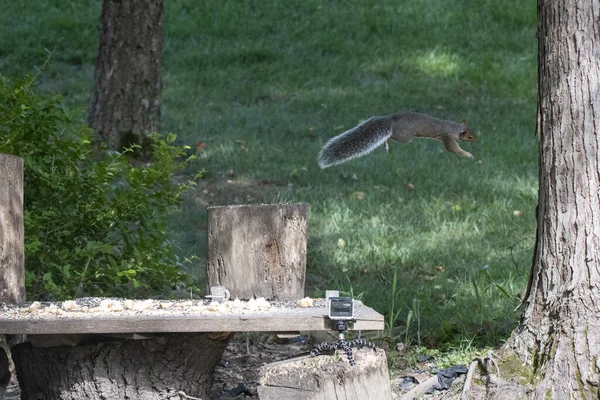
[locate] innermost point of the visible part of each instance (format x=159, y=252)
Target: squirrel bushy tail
x=354, y=142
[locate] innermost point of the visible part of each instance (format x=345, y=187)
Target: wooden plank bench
x=280, y=317
x=157, y=351
x=116, y=346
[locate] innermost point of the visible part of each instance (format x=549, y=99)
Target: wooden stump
x=12, y=260
x=327, y=378
x=156, y=368
x=258, y=250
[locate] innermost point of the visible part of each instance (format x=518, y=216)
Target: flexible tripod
x=341, y=326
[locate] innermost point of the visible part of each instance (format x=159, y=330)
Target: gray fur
x=399, y=127
x=356, y=142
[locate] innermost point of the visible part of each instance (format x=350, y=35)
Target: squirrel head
x=467, y=134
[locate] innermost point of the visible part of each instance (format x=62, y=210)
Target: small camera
x=341, y=308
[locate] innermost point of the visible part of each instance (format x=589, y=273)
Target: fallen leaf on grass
x=358, y=195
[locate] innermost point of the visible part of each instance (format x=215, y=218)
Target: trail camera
x=341, y=313
x=341, y=308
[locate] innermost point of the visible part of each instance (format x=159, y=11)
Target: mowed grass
x=265, y=84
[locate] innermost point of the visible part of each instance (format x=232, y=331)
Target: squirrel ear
x=464, y=121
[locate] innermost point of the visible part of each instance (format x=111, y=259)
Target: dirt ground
x=237, y=374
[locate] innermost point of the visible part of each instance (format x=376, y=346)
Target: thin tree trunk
x=126, y=101
x=559, y=332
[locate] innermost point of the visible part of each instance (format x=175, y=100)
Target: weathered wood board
x=327, y=378
x=258, y=250
x=12, y=261
x=280, y=317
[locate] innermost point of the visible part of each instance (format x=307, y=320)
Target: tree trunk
x=156, y=368
x=12, y=250
x=5, y=373
x=126, y=102
x=559, y=331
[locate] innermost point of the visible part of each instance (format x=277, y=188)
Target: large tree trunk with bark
x=559, y=333
x=167, y=366
x=126, y=101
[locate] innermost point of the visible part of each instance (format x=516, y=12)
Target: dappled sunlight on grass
x=437, y=62
x=265, y=84
x=464, y=255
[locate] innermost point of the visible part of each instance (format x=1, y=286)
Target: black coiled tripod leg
x=342, y=345
x=323, y=347
x=362, y=343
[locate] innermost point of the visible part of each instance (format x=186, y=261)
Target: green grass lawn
x=266, y=83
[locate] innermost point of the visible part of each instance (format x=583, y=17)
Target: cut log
x=258, y=250
x=12, y=259
x=327, y=378
x=12, y=250
x=168, y=366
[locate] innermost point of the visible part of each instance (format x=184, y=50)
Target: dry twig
x=468, y=380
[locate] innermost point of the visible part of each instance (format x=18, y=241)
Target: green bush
x=95, y=223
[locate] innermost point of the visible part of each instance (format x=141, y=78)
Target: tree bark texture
x=161, y=367
x=12, y=250
x=5, y=374
x=559, y=332
x=258, y=250
x=126, y=101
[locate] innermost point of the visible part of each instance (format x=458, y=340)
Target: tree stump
x=160, y=367
x=327, y=378
x=258, y=250
x=12, y=260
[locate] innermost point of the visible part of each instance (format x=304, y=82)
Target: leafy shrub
x=95, y=224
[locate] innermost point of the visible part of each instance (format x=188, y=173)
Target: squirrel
x=401, y=127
